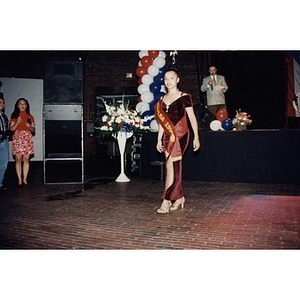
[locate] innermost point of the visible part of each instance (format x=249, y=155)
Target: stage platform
x=252, y=156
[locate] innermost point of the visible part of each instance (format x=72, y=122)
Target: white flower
x=105, y=118
x=121, y=111
x=111, y=110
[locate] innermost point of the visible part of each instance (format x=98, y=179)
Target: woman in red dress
x=171, y=112
x=22, y=123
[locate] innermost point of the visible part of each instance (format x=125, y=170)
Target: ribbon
x=127, y=127
x=167, y=125
x=173, y=53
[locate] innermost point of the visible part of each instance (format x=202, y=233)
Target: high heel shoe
x=177, y=203
x=164, y=208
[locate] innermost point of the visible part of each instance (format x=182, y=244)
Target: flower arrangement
x=241, y=120
x=120, y=117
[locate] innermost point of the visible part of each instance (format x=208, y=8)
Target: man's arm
x=204, y=85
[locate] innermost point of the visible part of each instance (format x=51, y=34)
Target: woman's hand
x=194, y=124
x=159, y=146
x=14, y=125
x=30, y=126
x=196, y=144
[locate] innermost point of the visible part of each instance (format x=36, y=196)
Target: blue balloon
x=160, y=79
x=147, y=113
x=162, y=70
x=227, y=124
x=147, y=123
x=152, y=105
x=157, y=96
x=154, y=87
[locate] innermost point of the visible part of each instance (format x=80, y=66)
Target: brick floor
x=104, y=214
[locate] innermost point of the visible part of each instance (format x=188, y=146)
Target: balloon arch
x=151, y=70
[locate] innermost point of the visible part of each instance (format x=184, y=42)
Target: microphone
x=212, y=87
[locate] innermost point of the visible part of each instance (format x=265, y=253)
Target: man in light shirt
x=215, y=86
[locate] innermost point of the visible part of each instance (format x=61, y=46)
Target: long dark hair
x=2, y=97
x=16, y=112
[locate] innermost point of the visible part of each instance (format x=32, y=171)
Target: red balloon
x=146, y=61
x=140, y=99
x=141, y=71
x=153, y=53
x=140, y=81
x=222, y=115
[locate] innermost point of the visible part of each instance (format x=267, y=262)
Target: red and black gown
x=176, y=114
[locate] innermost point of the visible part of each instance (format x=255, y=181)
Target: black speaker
x=65, y=171
x=63, y=143
x=63, y=82
x=62, y=137
x=204, y=116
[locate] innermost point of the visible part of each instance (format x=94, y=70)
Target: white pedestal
x=122, y=138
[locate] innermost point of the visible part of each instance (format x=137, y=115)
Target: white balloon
x=143, y=88
x=162, y=54
x=140, y=63
x=147, y=97
x=163, y=88
x=143, y=53
x=153, y=70
x=142, y=107
x=215, y=125
x=154, y=125
x=159, y=62
x=147, y=79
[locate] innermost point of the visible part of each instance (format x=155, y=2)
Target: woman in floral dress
x=22, y=123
